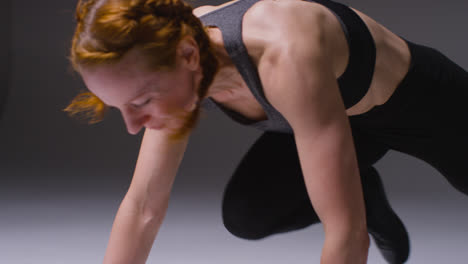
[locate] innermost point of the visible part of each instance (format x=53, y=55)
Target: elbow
x=148, y=211
x=152, y=217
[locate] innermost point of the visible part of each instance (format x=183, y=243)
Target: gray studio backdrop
x=62, y=181
x=5, y=52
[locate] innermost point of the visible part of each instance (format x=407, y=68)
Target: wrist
x=346, y=249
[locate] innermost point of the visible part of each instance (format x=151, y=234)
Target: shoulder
x=284, y=17
x=277, y=29
x=278, y=24
x=294, y=57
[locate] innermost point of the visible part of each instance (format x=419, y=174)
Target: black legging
x=267, y=194
x=425, y=117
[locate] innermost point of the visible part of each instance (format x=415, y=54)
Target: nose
x=134, y=121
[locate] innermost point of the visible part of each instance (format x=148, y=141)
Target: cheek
x=167, y=106
x=160, y=108
x=180, y=103
x=181, y=95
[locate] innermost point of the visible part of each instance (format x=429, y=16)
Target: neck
x=227, y=80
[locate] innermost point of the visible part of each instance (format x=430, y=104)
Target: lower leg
x=383, y=224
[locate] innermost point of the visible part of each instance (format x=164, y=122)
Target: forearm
x=335, y=191
x=332, y=178
x=132, y=234
x=346, y=236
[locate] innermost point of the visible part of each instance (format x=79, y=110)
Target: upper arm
x=158, y=161
x=299, y=82
x=297, y=73
x=306, y=93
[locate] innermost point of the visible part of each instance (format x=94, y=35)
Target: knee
x=241, y=229
x=242, y=221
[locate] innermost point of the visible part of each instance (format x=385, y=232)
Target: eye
x=139, y=105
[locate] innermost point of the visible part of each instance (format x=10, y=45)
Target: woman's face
x=150, y=99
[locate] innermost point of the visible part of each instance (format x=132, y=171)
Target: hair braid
x=173, y=9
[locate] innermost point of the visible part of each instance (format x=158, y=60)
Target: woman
x=333, y=89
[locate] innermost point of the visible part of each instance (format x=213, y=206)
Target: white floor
x=53, y=217
x=71, y=230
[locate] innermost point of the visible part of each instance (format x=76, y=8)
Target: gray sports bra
x=353, y=84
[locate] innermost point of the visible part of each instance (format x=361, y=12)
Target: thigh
x=368, y=148
x=427, y=117
x=269, y=172
x=267, y=194
x=434, y=124
x=446, y=149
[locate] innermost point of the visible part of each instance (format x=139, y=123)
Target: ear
x=189, y=53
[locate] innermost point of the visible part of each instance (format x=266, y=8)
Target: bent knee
x=244, y=225
x=244, y=220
